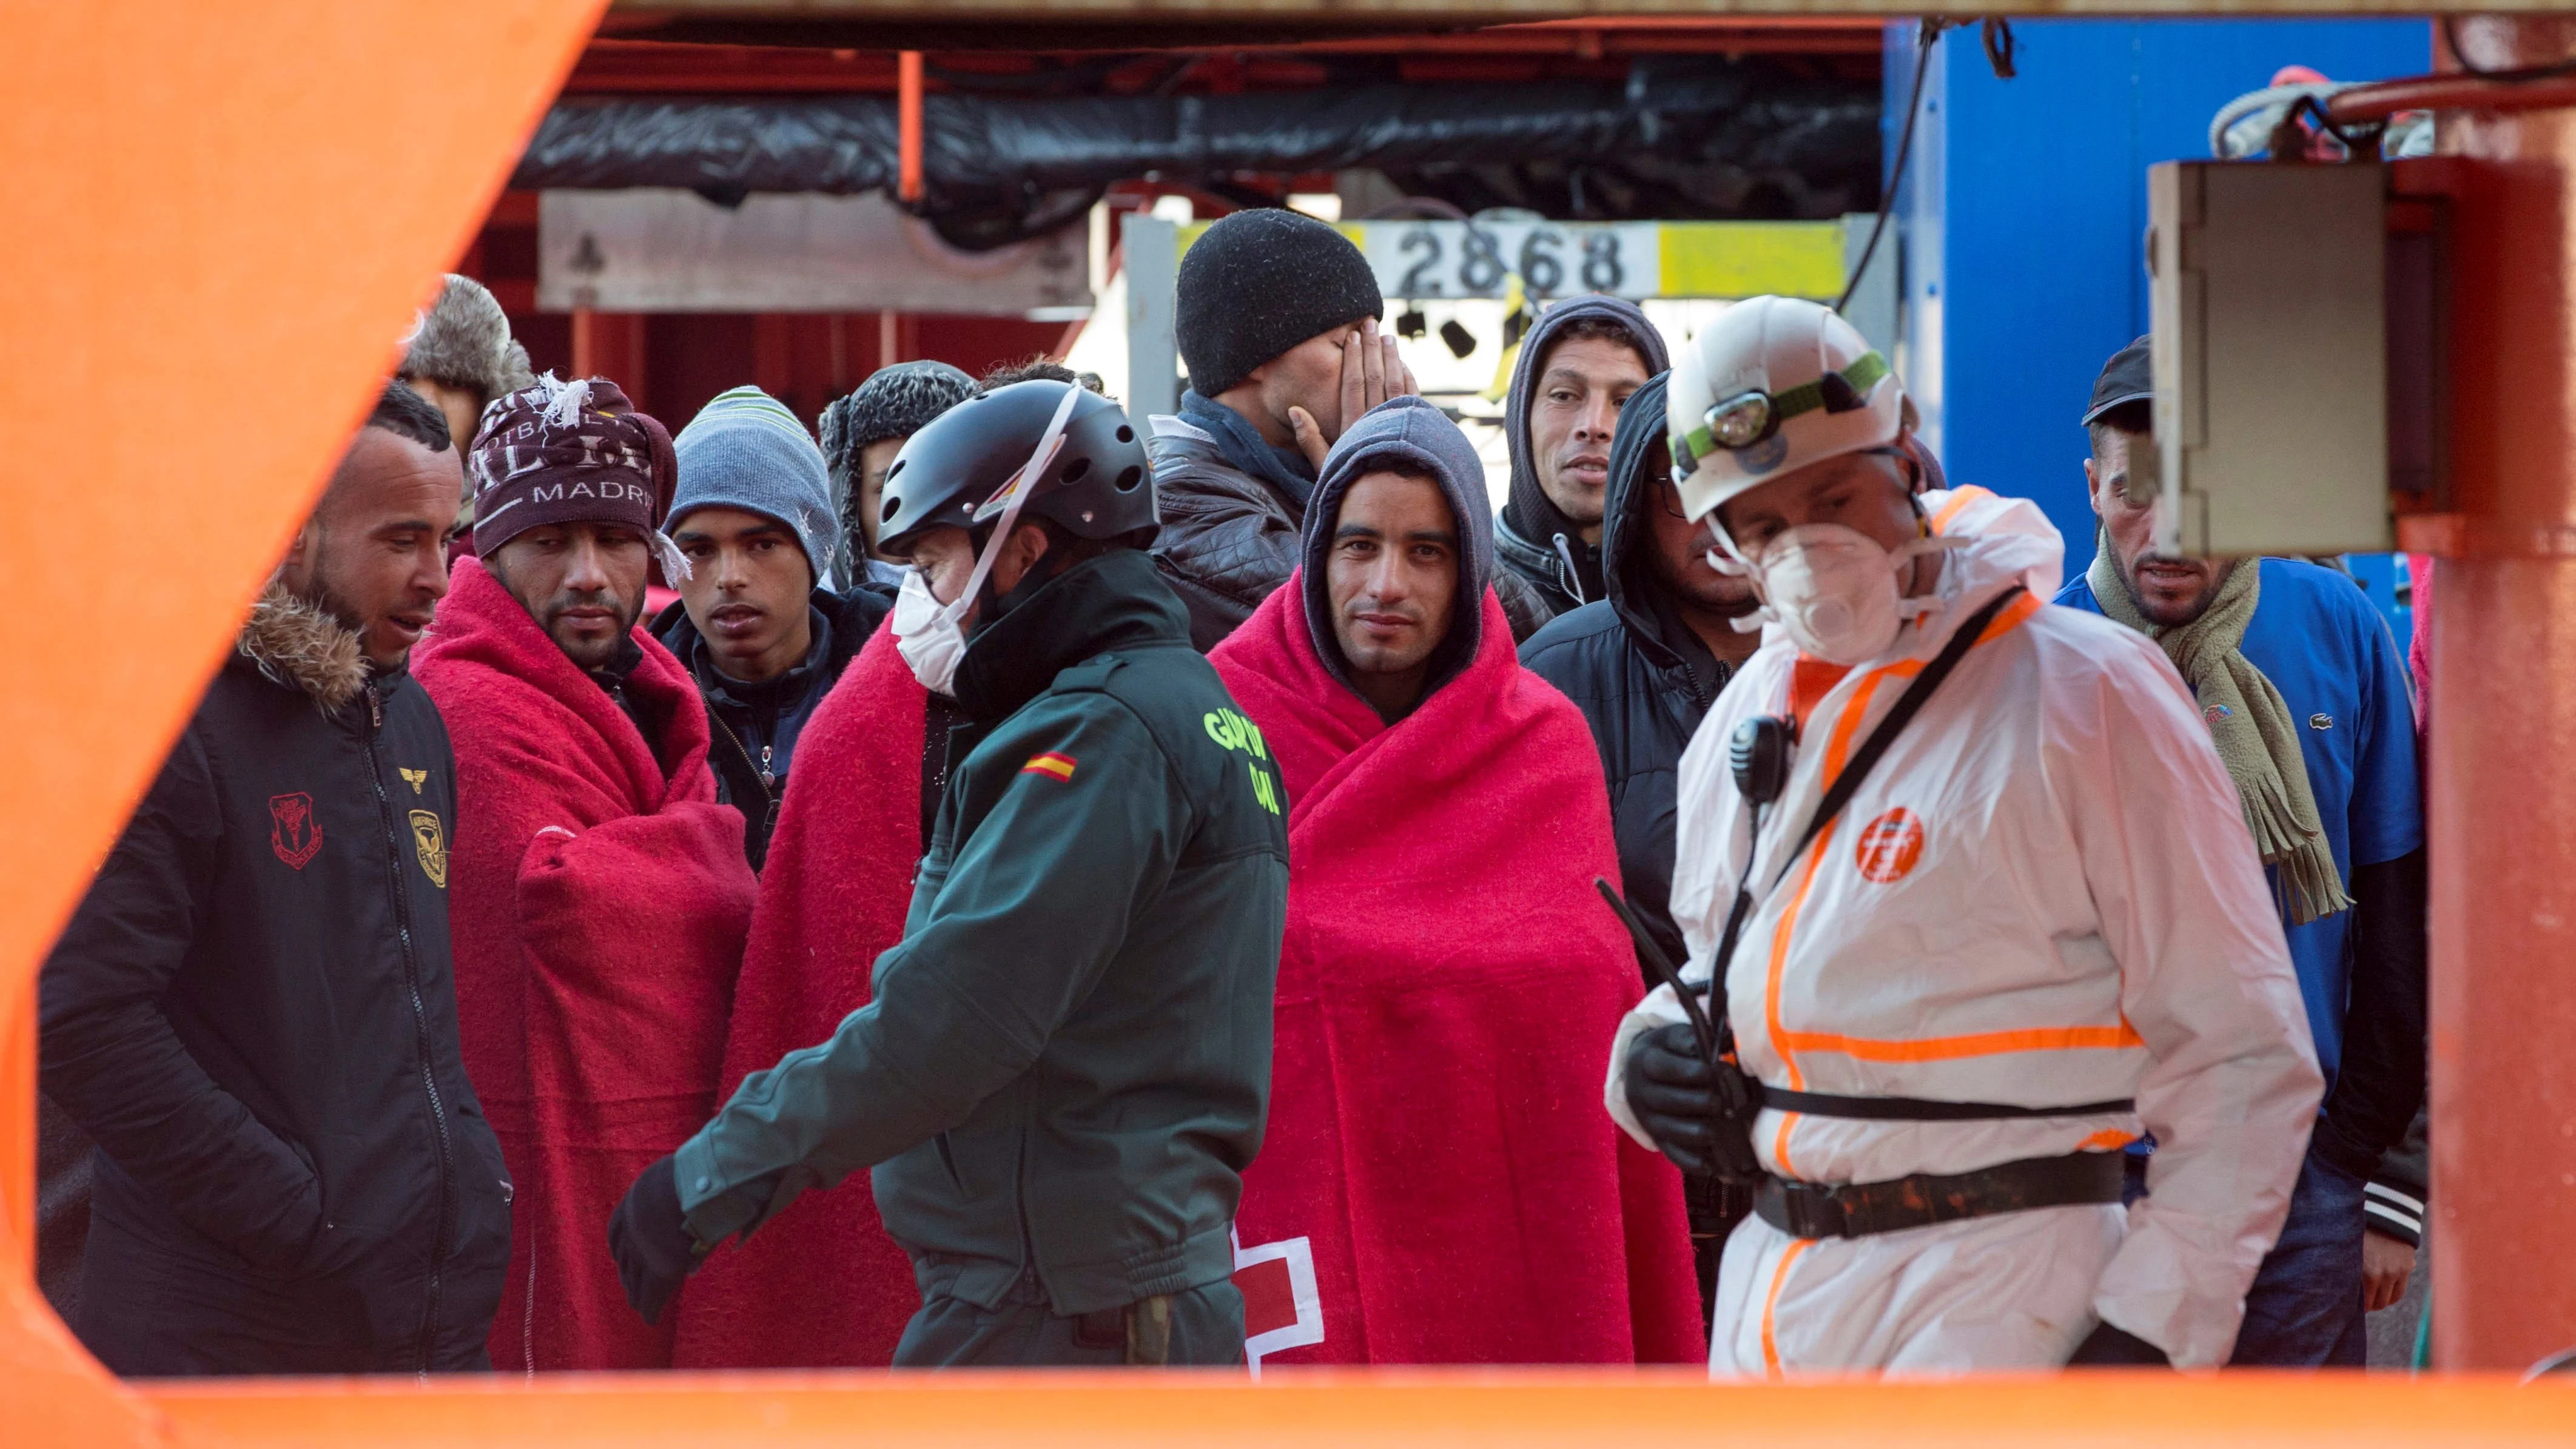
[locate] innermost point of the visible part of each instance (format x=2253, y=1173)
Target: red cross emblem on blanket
x=1281, y=1309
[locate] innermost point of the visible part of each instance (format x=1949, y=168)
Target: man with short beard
x=1578, y=368
x=252, y=1014
x=602, y=894
x=2306, y=697
x=1448, y=973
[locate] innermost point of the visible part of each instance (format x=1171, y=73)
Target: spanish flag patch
x=1059, y=766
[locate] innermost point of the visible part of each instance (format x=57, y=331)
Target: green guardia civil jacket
x=1066, y=1065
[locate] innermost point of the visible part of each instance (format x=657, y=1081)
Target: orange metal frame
x=219, y=218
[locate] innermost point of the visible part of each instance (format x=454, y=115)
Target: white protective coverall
x=2045, y=894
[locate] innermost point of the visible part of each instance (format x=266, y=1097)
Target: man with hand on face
x=252, y=1014
x=1644, y=664
x=2306, y=697
x=1982, y=911
x=1276, y=316
x=861, y=434
x=756, y=628
x=1449, y=972
x=1578, y=368
x=1066, y=1062
x=602, y=895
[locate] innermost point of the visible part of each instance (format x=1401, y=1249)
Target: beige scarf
x=2250, y=723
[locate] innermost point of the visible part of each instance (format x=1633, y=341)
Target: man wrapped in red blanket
x=1439, y=1183
x=600, y=895
x=822, y=1286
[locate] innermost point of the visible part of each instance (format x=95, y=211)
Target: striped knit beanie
x=745, y=450
x=570, y=452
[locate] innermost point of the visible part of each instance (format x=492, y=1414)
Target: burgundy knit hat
x=569, y=452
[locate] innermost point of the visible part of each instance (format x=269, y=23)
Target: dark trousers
x=1022, y=1331
x=2304, y=1310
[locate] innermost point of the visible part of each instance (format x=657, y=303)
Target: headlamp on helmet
x=1749, y=419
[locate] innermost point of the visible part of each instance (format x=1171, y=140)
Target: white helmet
x=1772, y=385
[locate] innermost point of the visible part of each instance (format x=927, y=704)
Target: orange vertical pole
x=2502, y=798
x=908, y=118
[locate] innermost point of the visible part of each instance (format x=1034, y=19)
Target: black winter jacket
x=1227, y=538
x=742, y=720
x=253, y=1016
x=1639, y=675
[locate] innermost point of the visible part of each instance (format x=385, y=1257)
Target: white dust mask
x=1834, y=590
x=927, y=632
x=930, y=635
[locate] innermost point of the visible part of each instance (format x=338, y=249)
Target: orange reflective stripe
x=1837, y=750
x=1771, y=1305
x=2109, y=1139
x=1960, y=498
x=2013, y=616
x=1980, y=1044
x=1784, y=1043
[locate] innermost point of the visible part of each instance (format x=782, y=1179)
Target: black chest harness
x=1758, y=757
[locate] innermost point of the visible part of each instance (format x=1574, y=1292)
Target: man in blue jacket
x=2306, y=697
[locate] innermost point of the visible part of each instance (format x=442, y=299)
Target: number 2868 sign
x=1477, y=259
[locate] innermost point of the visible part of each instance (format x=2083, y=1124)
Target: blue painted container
x=2025, y=214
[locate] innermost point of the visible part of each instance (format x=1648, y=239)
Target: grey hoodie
x=1539, y=542
x=1417, y=432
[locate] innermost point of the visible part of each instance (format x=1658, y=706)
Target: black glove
x=2108, y=1347
x=650, y=1239
x=1679, y=1099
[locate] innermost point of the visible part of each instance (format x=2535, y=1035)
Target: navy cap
x=2128, y=377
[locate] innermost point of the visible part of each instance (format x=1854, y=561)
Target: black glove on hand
x=2108, y=1347
x=1675, y=1095
x=650, y=1239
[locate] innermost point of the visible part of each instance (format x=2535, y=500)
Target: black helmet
x=1099, y=485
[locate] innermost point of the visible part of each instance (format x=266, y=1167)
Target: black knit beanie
x=1258, y=283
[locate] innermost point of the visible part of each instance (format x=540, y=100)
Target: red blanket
x=821, y=1285
x=1440, y=1183
x=598, y=901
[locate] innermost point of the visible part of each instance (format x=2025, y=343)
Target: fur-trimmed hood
x=300, y=646
x=462, y=340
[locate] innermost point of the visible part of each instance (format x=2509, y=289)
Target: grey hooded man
x=1578, y=367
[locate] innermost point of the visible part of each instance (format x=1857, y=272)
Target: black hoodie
x=1533, y=538
x=1639, y=674
x=1411, y=430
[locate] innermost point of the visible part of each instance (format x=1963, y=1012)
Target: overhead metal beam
x=632, y=17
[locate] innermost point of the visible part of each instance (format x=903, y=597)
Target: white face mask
x=1835, y=591
x=930, y=635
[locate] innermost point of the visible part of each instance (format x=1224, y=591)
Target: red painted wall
x=671, y=363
